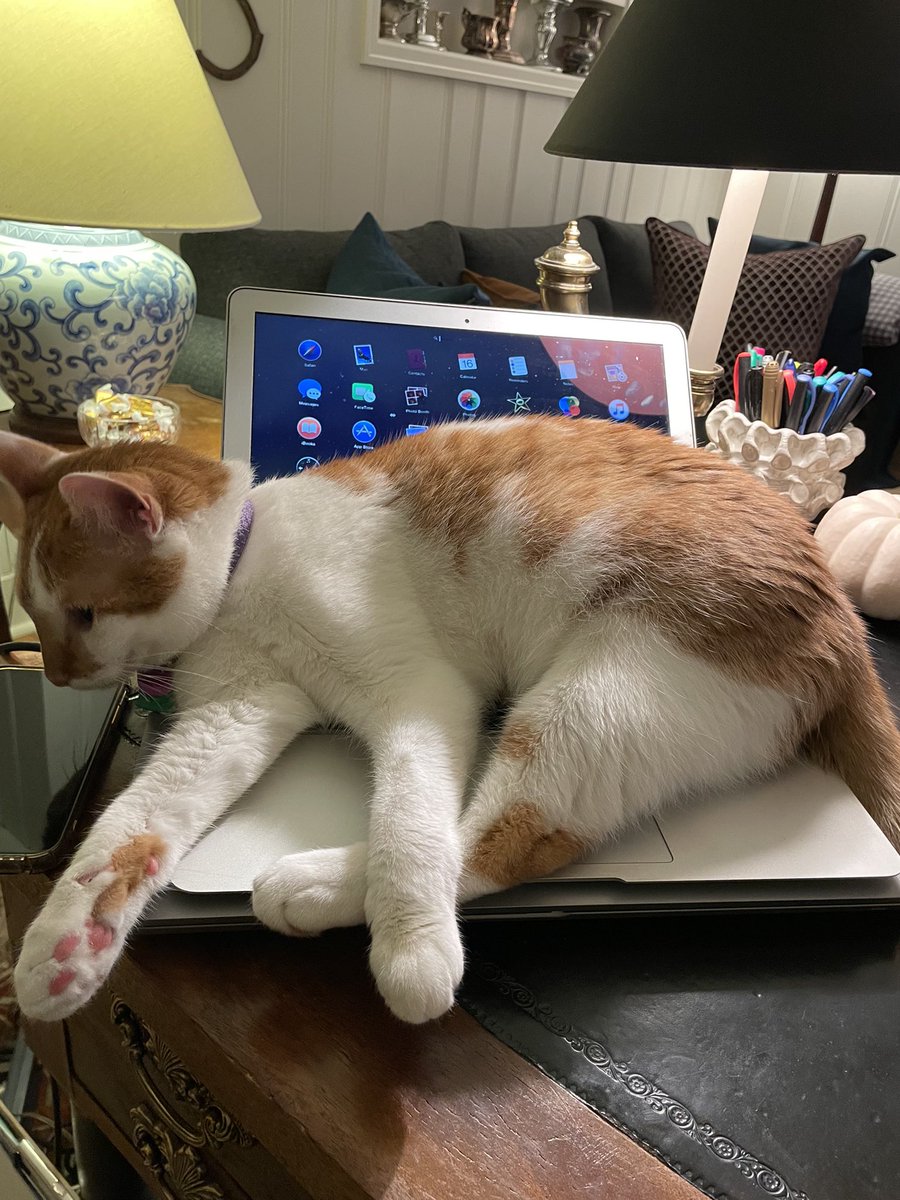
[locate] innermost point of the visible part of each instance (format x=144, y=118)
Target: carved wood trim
x=216, y=1125
x=177, y=1166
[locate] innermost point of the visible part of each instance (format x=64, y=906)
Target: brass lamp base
x=703, y=393
x=703, y=388
x=564, y=274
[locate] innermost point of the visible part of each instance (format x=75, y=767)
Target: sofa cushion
x=201, y=361
x=626, y=252
x=782, y=301
x=301, y=259
x=882, y=327
x=842, y=341
x=510, y=253
x=368, y=265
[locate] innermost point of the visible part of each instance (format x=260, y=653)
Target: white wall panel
x=537, y=178
x=462, y=144
x=492, y=185
x=412, y=149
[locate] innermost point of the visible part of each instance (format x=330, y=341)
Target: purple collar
x=155, y=683
x=241, y=536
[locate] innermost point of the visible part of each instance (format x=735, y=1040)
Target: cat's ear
x=122, y=503
x=23, y=463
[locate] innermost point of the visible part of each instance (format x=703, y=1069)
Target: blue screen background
x=326, y=388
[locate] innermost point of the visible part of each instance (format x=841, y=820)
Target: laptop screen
x=324, y=387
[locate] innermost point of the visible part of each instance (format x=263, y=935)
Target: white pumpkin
x=860, y=536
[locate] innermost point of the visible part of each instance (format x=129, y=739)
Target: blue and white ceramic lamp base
x=80, y=308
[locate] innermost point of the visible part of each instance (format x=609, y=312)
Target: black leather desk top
x=756, y=1054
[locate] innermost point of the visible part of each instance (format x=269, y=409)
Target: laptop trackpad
x=314, y=796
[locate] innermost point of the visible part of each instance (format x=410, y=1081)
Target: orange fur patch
x=519, y=846
x=518, y=741
x=103, y=571
x=98, y=569
x=130, y=862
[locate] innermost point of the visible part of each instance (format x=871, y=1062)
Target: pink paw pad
x=89, y=876
x=59, y=984
x=152, y=867
x=64, y=947
x=99, y=936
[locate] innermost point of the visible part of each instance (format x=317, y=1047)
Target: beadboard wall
x=323, y=138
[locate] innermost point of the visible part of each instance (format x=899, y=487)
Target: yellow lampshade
x=107, y=121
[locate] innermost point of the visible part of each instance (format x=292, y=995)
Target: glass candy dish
x=110, y=418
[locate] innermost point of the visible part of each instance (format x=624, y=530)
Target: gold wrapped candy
x=111, y=417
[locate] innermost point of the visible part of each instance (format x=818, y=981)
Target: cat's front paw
x=418, y=971
x=305, y=894
x=73, y=943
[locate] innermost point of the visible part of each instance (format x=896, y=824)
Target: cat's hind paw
x=72, y=945
x=305, y=894
x=418, y=971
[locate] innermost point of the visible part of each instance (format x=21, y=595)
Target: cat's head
x=120, y=552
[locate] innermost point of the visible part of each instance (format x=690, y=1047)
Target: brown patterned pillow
x=782, y=302
x=501, y=292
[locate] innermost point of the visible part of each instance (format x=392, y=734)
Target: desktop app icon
x=619, y=410
x=415, y=396
x=468, y=400
x=310, y=389
x=363, y=355
x=309, y=350
x=412, y=430
x=519, y=402
x=570, y=405
x=364, y=431
x=306, y=464
x=567, y=368
x=309, y=428
x=467, y=362
x=363, y=391
x=517, y=364
x=615, y=373
x=416, y=360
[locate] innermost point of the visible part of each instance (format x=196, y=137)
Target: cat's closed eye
x=82, y=618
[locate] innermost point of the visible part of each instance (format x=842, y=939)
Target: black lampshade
x=793, y=85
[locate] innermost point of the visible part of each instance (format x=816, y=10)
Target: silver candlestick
x=420, y=35
x=545, y=32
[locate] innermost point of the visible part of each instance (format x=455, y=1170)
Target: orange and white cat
x=657, y=621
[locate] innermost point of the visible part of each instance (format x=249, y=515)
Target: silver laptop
x=311, y=377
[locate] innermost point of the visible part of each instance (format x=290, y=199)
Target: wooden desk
x=263, y=1068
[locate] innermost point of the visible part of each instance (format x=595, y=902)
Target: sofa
x=439, y=253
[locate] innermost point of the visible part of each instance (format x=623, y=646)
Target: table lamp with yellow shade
x=108, y=127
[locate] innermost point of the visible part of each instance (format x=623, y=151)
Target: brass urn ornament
x=564, y=274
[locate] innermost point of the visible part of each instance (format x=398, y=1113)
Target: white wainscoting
x=324, y=137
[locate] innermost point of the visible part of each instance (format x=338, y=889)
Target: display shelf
x=455, y=63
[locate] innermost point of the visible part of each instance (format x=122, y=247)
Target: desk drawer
x=194, y=1148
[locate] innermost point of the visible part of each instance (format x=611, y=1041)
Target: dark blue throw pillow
x=368, y=265
x=842, y=340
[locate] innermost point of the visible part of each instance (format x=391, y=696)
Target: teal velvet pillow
x=369, y=266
